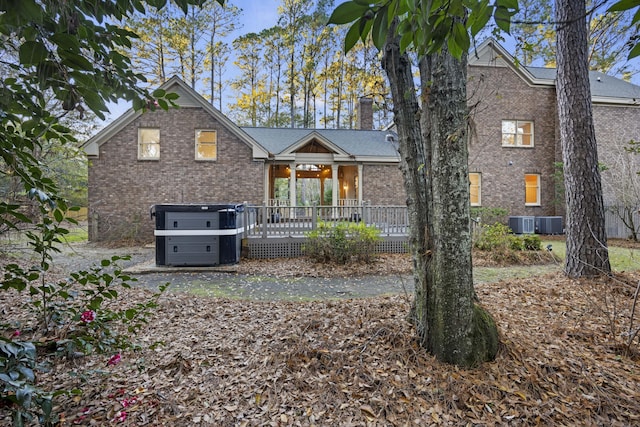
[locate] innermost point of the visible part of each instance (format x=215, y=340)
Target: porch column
x=268, y=185
x=335, y=187
x=360, y=167
x=335, y=192
x=292, y=190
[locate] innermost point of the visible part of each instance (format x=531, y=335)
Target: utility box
x=549, y=225
x=522, y=224
x=197, y=234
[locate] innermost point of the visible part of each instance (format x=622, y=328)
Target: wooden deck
x=280, y=231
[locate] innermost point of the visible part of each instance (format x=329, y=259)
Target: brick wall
x=615, y=126
x=123, y=188
x=383, y=185
x=499, y=94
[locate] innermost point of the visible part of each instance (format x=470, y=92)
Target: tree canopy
x=633, y=42
x=67, y=54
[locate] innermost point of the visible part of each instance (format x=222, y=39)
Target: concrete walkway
x=225, y=282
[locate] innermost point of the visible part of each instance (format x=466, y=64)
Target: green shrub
x=71, y=317
x=489, y=216
x=515, y=243
x=532, y=242
x=342, y=242
x=498, y=237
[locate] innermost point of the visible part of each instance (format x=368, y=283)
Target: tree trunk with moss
x=433, y=150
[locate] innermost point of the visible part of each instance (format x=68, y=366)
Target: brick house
x=515, y=149
x=195, y=154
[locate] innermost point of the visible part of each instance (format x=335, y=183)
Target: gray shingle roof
x=602, y=85
x=354, y=142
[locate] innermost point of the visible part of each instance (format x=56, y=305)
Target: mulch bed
x=207, y=361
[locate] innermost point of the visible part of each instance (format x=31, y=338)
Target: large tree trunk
x=433, y=149
x=413, y=163
x=587, y=253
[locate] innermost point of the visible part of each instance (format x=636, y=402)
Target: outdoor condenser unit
x=198, y=235
x=549, y=225
x=522, y=224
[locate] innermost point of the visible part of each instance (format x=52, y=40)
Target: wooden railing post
x=245, y=220
x=314, y=216
x=264, y=221
x=366, y=213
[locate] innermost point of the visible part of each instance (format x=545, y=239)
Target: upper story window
x=532, y=189
x=475, y=185
x=517, y=133
x=206, y=145
x=148, y=144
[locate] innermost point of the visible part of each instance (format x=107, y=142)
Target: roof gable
x=343, y=144
x=187, y=98
x=605, y=89
x=314, y=139
x=314, y=147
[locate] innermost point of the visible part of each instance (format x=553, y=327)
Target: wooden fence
x=620, y=228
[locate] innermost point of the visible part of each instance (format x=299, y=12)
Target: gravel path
x=229, y=284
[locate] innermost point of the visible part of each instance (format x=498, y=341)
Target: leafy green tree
x=535, y=34
x=292, y=17
x=315, y=38
x=221, y=22
x=274, y=57
x=606, y=51
x=68, y=52
x=335, y=75
x=250, y=84
x=68, y=55
x=633, y=43
x=183, y=33
x=433, y=151
x=535, y=38
x=149, y=51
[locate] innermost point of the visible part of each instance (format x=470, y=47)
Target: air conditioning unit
x=522, y=224
x=549, y=225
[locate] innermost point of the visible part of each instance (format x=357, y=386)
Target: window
x=475, y=181
x=532, y=190
x=516, y=133
x=148, y=144
x=206, y=145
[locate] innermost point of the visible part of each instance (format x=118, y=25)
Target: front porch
x=303, y=185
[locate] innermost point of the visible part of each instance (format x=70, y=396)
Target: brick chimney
x=365, y=113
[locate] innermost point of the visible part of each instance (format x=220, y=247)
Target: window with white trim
x=206, y=145
x=475, y=186
x=517, y=133
x=532, y=189
x=148, y=144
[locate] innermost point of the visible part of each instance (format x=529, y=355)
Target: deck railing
x=287, y=221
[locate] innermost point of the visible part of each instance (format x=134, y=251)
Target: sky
x=257, y=14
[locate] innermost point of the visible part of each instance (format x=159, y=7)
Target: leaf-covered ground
x=207, y=361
